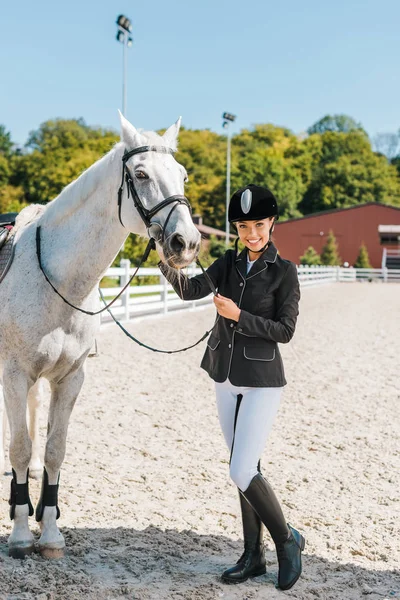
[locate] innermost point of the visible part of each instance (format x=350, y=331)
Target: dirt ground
x=147, y=507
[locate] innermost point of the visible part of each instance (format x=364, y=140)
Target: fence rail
x=160, y=298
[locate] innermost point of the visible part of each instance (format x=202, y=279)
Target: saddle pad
x=6, y=255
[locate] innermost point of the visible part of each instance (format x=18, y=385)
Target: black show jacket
x=247, y=351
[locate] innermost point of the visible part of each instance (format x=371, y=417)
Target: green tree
x=330, y=254
x=346, y=172
x=396, y=163
x=362, y=261
x=4, y=171
x=60, y=151
x=261, y=159
x=338, y=123
x=6, y=143
x=310, y=257
x=333, y=167
x=217, y=247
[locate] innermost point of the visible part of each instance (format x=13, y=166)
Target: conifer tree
x=362, y=261
x=310, y=257
x=330, y=254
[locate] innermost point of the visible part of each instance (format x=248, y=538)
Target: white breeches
x=246, y=439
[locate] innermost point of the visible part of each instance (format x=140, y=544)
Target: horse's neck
x=80, y=230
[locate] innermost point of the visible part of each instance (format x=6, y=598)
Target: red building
x=376, y=225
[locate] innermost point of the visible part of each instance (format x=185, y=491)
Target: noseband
x=145, y=213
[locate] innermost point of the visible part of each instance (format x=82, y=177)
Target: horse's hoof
x=51, y=553
x=20, y=550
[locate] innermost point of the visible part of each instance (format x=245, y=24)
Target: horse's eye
x=141, y=175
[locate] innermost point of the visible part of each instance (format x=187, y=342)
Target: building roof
x=337, y=210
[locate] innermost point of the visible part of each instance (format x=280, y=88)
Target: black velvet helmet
x=251, y=203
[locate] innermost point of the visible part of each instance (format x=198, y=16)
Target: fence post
x=164, y=293
x=384, y=255
x=337, y=273
x=385, y=274
x=126, y=265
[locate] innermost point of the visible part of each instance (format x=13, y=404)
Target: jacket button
x=229, y=345
x=241, y=283
x=231, y=324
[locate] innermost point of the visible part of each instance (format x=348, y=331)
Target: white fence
x=160, y=298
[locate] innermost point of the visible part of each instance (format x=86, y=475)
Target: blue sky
x=287, y=62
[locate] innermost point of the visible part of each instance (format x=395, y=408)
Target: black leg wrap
x=48, y=497
x=19, y=494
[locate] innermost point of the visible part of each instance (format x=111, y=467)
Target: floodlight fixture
x=228, y=117
x=124, y=22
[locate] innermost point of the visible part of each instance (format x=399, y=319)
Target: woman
x=257, y=304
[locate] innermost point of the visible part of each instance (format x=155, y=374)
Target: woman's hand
x=226, y=307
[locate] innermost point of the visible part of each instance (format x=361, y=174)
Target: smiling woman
x=255, y=235
x=257, y=303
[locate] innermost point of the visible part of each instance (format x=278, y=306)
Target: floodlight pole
x=228, y=183
x=125, y=64
x=228, y=118
x=124, y=29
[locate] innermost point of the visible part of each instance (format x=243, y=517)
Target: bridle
x=146, y=216
x=145, y=213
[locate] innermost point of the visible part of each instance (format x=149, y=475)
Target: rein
x=146, y=216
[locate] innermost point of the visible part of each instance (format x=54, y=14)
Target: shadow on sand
x=156, y=564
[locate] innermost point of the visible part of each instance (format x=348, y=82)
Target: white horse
x=82, y=230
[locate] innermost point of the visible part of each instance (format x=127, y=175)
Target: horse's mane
x=27, y=215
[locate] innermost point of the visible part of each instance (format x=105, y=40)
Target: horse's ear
x=171, y=135
x=129, y=133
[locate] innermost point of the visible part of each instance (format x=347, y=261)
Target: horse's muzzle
x=180, y=252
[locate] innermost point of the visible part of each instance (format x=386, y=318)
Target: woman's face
x=254, y=234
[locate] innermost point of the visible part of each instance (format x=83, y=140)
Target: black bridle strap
x=141, y=149
x=150, y=246
x=130, y=336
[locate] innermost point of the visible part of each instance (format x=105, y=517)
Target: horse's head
x=156, y=204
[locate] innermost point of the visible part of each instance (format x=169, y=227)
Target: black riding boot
x=289, y=558
x=289, y=543
x=252, y=561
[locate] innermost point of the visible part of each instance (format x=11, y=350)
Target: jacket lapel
x=261, y=264
x=241, y=263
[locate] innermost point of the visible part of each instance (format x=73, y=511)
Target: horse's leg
x=63, y=396
x=16, y=386
x=35, y=396
x=3, y=430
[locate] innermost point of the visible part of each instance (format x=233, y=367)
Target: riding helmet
x=251, y=203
